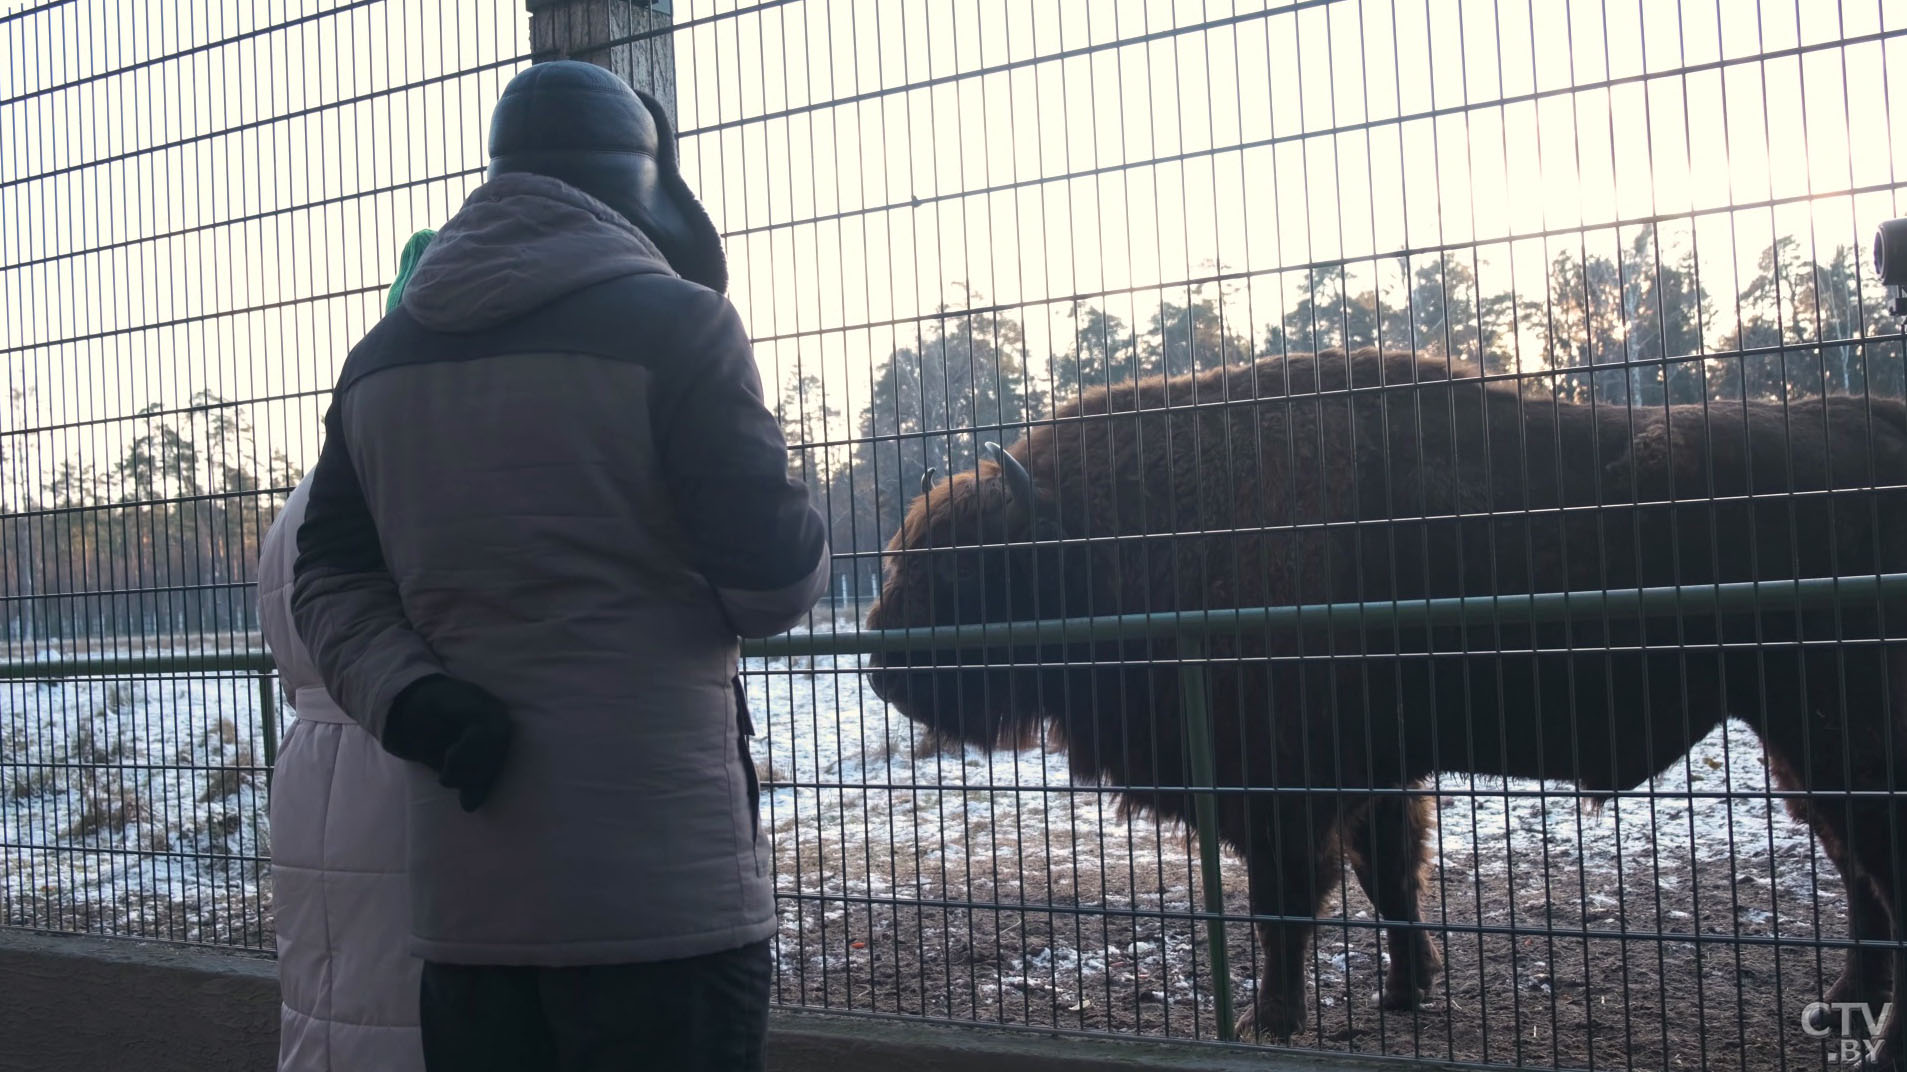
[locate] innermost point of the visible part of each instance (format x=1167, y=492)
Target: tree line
x=163, y=539
x=1628, y=329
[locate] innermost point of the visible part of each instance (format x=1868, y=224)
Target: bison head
x=984, y=546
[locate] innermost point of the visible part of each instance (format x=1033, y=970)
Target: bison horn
x=927, y=480
x=1019, y=482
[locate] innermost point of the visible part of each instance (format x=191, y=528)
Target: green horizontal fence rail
x=1191, y=628
x=1602, y=604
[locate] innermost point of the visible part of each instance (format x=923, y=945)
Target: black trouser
x=703, y=1014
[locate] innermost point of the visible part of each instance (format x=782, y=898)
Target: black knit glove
x=456, y=729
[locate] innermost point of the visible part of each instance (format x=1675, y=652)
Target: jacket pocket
x=746, y=726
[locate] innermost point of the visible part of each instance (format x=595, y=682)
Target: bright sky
x=1169, y=141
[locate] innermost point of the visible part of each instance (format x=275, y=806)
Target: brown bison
x=1375, y=477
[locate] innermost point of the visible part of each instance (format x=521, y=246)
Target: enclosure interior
x=946, y=224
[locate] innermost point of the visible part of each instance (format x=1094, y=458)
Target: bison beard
x=1274, y=484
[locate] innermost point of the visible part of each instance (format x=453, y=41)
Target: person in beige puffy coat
x=348, y=980
x=345, y=971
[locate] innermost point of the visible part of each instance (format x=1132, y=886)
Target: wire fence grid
x=1609, y=256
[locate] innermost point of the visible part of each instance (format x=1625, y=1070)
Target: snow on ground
x=1655, y=836
x=137, y=807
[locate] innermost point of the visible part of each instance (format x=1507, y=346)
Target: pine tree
x=934, y=404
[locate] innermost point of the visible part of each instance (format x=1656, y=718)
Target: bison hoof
x=1852, y=988
x=1271, y=1019
x=1885, y=1059
x=1409, y=979
x=1881, y=1052
x=1403, y=996
x=1831, y=1021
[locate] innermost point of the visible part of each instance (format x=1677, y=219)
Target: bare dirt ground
x=1528, y=1000
x=1100, y=940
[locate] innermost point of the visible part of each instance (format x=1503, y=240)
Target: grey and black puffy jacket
x=552, y=472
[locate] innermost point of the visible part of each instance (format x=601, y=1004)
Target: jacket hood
x=521, y=241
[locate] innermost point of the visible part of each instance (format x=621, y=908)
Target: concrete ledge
x=805, y=1041
x=109, y=1005
x=89, y=1004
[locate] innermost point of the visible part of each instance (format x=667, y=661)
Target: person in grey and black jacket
x=550, y=501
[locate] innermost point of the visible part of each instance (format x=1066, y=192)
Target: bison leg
x=1389, y=852
x=1852, y=742
x=1293, y=862
x=1878, y=839
x=1867, y=975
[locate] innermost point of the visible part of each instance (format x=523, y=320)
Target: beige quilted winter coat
x=348, y=979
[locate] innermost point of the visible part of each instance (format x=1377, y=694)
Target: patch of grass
x=29, y=782
x=89, y=749
x=107, y=805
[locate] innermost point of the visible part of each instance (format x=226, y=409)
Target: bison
x=1376, y=476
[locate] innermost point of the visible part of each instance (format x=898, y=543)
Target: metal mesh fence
x=1613, y=251
x=199, y=205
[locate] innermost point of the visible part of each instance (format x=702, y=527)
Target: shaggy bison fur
x=1385, y=476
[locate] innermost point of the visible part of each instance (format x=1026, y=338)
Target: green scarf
x=407, y=263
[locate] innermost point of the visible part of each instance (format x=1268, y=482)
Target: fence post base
x=1198, y=730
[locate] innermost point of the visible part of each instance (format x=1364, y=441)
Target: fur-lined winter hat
x=578, y=122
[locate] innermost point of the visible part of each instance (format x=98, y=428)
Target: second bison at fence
x=1387, y=476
